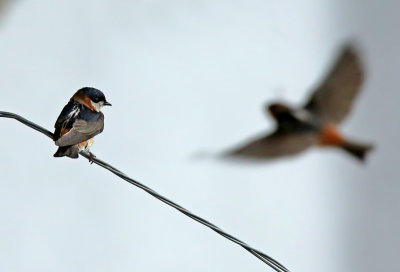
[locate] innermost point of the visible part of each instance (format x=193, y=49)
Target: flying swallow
x=79, y=121
x=316, y=123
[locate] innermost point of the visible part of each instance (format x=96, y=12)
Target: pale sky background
x=186, y=76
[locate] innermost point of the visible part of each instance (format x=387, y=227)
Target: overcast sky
x=184, y=77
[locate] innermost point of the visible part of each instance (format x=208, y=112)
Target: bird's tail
x=359, y=151
x=69, y=151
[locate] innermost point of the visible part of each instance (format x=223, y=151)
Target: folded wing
x=82, y=131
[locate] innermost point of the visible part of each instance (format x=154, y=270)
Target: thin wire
x=260, y=255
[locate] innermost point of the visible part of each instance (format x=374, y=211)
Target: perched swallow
x=79, y=121
x=316, y=123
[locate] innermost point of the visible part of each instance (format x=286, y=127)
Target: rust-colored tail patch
x=330, y=136
x=63, y=131
x=87, y=143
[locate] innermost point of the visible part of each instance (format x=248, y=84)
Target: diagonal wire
x=260, y=255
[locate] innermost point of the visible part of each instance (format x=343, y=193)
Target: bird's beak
x=107, y=104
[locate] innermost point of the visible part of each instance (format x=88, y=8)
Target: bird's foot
x=91, y=157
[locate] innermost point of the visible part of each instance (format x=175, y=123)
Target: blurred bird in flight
x=315, y=123
x=79, y=121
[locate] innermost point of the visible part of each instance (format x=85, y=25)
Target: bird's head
x=92, y=98
x=277, y=109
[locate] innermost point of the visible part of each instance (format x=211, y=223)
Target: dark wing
x=333, y=99
x=64, y=121
x=82, y=131
x=276, y=145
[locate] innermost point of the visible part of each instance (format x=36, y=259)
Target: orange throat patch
x=84, y=100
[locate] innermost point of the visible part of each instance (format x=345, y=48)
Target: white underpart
x=303, y=115
x=98, y=105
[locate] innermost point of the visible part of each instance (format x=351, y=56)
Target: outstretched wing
x=276, y=145
x=333, y=99
x=81, y=131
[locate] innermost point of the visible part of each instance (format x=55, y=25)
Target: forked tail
x=359, y=151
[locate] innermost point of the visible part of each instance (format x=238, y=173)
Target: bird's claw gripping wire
x=91, y=157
